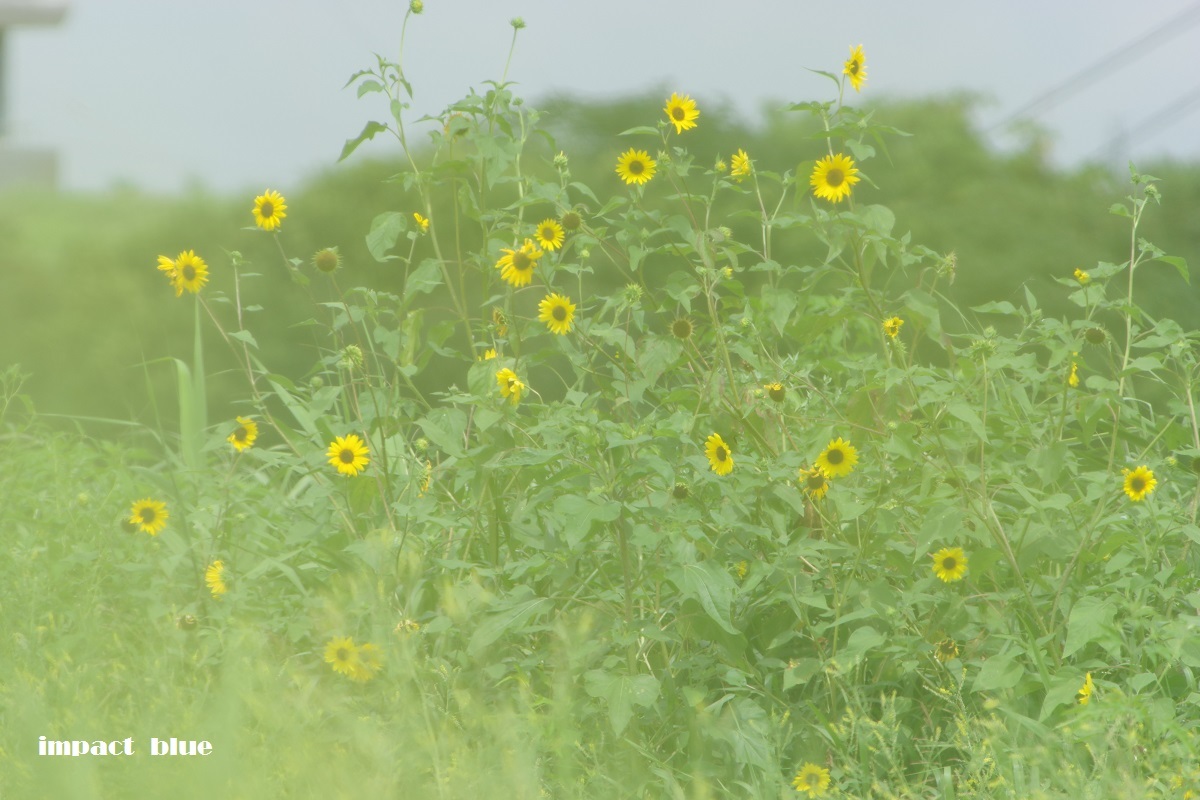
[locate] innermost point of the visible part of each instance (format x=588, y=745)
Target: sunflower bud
x=352, y=357
x=327, y=260
x=416, y=6
x=517, y=22
x=560, y=161
x=1095, y=335
x=571, y=221
x=680, y=492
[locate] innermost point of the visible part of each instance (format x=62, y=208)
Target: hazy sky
x=237, y=95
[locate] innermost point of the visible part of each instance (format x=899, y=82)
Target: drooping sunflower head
x=1139, y=483
x=348, y=455
x=814, y=482
x=149, y=516
x=557, y=312
x=1095, y=335
x=635, y=166
x=811, y=780
x=720, y=458
x=1084, y=695
x=510, y=385
x=892, y=327
x=269, y=210
x=833, y=177
x=244, y=434
x=499, y=321
x=214, y=577
x=741, y=165
x=191, y=272
x=680, y=491
x=775, y=391
x=856, y=68
x=946, y=649
x=571, y=220
x=681, y=112
x=516, y=266
x=949, y=564
x=342, y=655
x=838, y=458
x=682, y=328
x=549, y=234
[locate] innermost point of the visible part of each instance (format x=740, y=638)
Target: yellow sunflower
x=269, y=210
x=949, y=564
x=892, y=326
x=214, y=576
x=946, y=649
x=1084, y=695
x=856, y=68
x=549, y=234
x=812, y=780
x=775, y=391
x=342, y=655
x=838, y=459
x=833, y=176
x=1139, y=483
x=814, y=482
x=635, y=166
x=244, y=435
x=166, y=265
x=422, y=222
x=1081, y=276
x=191, y=272
x=682, y=113
x=149, y=515
x=719, y=456
x=349, y=454
x=557, y=312
x=741, y=165
x=516, y=266
x=510, y=386
x=488, y=354
x=369, y=663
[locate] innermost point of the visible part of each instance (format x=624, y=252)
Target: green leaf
x=445, y=427
x=368, y=132
x=1179, y=264
x=640, y=130
x=511, y=614
x=579, y=513
x=962, y=411
x=710, y=585
x=385, y=230
x=621, y=693
x=999, y=672
x=1091, y=620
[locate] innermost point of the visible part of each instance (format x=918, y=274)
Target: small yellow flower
x=269, y=210
x=1083, y=277
x=1073, y=378
x=1084, y=695
x=833, y=177
x=426, y=479
x=635, y=166
x=719, y=456
x=838, y=459
x=1139, y=483
x=682, y=113
x=149, y=515
x=949, y=564
x=741, y=165
x=499, y=321
x=814, y=482
x=812, y=780
x=892, y=326
x=488, y=354
x=740, y=569
x=349, y=454
x=342, y=655
x=549, y=234
x=214, y=576
x=557, y=312
x=510, y=386
x=244, y=435
x=856, y=68
x=422, y=222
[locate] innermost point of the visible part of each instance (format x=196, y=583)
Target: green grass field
x=616, y=453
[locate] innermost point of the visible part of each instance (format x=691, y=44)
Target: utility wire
x=1105, y=65
x=1160, y=120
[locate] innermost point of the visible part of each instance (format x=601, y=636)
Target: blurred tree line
x=84, y=311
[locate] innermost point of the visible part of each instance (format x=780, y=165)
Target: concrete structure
x=24, y=166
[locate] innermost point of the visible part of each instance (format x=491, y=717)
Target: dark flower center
x=816, y=482
x=835, y=177
x=521, y=261
x=346, y=456
x=240, y=434
x=854, y=67
x=678, y=114
x=721, y=453
x=148, y=515
x=547, y=234
x=511, y=382
x=343, y=654
x=189, y=273
x=949, y=563
x=1137, y=484
x=267, y=210
x=681, y=328
x=559, y=313
x=636, y=166
x=835, y=457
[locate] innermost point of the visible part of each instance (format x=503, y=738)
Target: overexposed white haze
x=235, y=95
